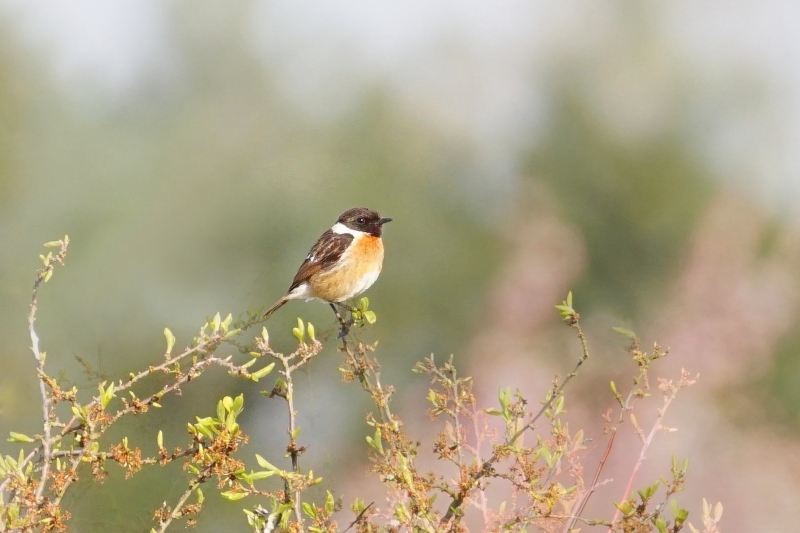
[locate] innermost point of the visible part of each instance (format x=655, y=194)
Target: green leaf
x=170, y=340
x=626, y=508
x=565, y=308
x=238, y=404
x=625, y=332
x=258, y=374
x=19, y=437
x=263, y=463
x=559, y=406
x=227, y=401
x=376, y=442
x=370, y=317
x=226, y=323
x=311, y=332
x=250, y=363
x=651, y=490
x=299, y=331
x=678, y=513
x=255, y=476
x=401, y=512
x=329, y=502
x=357, y=506
x=206, y=428
x=544, y=451
x=233, y=495
x=106, y=394
x=504, y=397
x=309, y=510
x=285, y=516
x=78, y=412
x=432, y=396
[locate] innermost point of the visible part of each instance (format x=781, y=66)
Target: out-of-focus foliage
x=635, y=200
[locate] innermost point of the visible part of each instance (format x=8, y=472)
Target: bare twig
x=292, y=448
x=368, y=372
x=359, y=517
x=487, y=466
x=640, y=386
x=290, y=363
x=580, y=505
x=670, y=391
x=478, y=458
x=176, y=512
x=44, y=275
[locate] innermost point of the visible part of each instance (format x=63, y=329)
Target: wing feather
x=325, y=252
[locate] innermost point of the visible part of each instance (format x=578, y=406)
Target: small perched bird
x=344, y=262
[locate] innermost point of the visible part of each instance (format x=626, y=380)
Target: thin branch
x=290, y=363
x=456, y=418
x=670, y=392
x=581, y=504
x=486, y=467
x=203, y=348
x=44, y=275
x=359, y=517
x=363, y=367
x=478, y=441
x=292, y=448
x=175, y=513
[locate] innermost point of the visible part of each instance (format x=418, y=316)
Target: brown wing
x=325, y=252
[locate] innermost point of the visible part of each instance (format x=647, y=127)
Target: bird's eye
x=361, y=220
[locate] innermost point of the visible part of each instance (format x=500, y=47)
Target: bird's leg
x=344, y=327
x=345, y=324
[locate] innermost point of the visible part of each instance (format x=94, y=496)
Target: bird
x=344, y=262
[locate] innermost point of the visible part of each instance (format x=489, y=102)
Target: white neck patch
x=341, y=229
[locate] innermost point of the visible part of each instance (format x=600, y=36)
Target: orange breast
x=355, y=272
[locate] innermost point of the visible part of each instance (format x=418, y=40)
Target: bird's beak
x=385, y=220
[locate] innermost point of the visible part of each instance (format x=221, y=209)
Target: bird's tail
x=274, y=308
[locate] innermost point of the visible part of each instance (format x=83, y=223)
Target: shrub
x=547, y=477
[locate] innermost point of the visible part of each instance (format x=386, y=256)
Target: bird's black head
x=363, y=219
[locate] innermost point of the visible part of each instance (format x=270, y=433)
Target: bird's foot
x=344, y=325
x=344, y=328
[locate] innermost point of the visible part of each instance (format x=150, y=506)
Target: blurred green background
x=640, y=155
